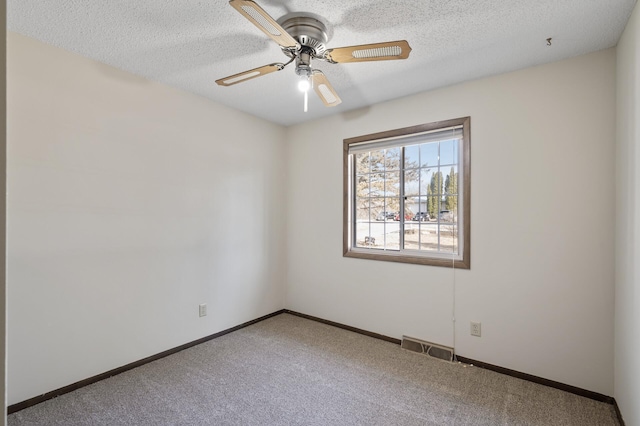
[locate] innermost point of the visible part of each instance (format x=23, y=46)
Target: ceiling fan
x=302, y=37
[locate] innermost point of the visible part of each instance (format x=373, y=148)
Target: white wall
x=627, y=271
x=129, y=204
x=542, y=267
x=3, y=210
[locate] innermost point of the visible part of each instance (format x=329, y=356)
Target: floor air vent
x=433, y=350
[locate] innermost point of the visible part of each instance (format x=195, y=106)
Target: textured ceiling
x=189, y=44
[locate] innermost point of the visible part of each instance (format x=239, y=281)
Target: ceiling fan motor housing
x=309, y=32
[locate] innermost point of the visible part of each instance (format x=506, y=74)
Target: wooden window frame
x=465, y=166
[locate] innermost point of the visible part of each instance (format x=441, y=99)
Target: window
x=407, y=195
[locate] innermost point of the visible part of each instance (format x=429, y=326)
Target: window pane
x=412, y=206
x=377, y=184
x=449, y=209
x=393, y=159
x=392, y=206
x=411, y=236
x=412, y=182
x=451, y=180
x=362, y=210
x=362, y=186
x=433, y=207
x=376, y=235
x=409, y=211
x=362, y=162
x=392, y=235
x=420, y=207
x=429, y=236
x=363, y=238
x=392, y=184
x=448, y=237
x=429, y=154
x=449, y=152
x=436, y=183
x=377, y=207
x=377, y=161
x=425, y=181
x=442, y=211
x=362, y=224
x=412, y=157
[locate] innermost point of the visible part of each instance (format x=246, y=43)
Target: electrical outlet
x=202, y=309
x=476, y=329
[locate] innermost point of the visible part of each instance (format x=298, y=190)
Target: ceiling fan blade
x=324, y=89
x=370, y=52
x=261, y=19
x=248, y=75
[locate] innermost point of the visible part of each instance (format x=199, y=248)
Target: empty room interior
x=168, y=181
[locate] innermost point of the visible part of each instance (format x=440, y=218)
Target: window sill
x=389, y=256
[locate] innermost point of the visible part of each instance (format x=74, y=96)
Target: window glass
x=429, y=154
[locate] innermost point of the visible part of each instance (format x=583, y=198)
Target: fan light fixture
x=304, y=85
x=302, y=37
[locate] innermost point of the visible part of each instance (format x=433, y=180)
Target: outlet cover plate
x=476, y=329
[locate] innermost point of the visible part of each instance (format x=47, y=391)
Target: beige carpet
x=291, y=371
